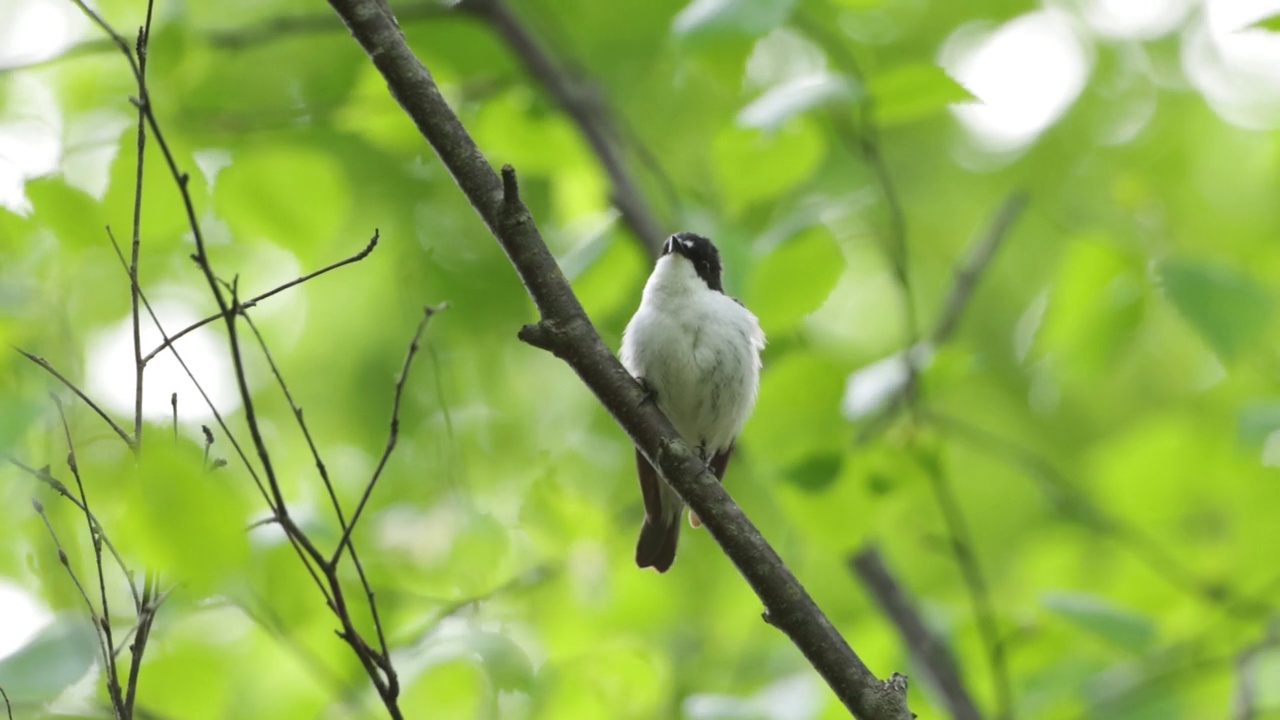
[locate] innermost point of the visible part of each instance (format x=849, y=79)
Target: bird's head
x=699, y=251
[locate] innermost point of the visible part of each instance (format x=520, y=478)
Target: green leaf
x=1225, y=306
x=737, y=17
x=816, y=472
x=56, y=657
x=1123, y=628
x=783, y=101
x=798, y=414
x=1270, y=23
x=795, y=279
x=911, y=92
x=1096, y=304
x=791, y=155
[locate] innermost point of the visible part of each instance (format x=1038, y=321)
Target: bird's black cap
x=701, y=252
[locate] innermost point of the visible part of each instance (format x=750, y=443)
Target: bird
x=696, y=353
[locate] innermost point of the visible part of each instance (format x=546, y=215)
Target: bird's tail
x=662, y=510
x=658, y=538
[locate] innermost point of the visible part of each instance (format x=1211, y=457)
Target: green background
x=1105, y=413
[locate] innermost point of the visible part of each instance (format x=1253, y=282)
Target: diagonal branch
x=80, y=394
x=44, y=476
x=113, y=675
x=392, y=436
x=929, y=651
x=565, y=330
x=364, y=252
x=974, y=265
x=582, y=102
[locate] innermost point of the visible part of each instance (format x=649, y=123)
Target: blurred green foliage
x=1106, y=413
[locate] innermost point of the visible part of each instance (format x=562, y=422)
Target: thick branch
x=928, y=651
x=566, y=331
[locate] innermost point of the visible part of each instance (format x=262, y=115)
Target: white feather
x=700, y=352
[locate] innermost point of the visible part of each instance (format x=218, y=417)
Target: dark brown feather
x=661, y=530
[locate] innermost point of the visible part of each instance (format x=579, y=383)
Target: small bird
x=696, y=351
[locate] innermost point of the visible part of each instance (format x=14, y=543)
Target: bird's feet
x=649, y=393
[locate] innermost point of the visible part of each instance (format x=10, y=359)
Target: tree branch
x=80, y=394
x=362, y=254
x=928, y=651
x=565, y=330
x=971, y=270
x=582, y=102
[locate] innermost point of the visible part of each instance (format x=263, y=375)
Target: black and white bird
x=697, y=352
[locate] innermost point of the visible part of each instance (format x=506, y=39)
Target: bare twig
x=377, y=664
x=927, y=649
x=151, y=600
x=368, y=248
x=140, y=48
x=104, y=625
x=581, y=101
x=217, y=416
x=44, y=476
x=99, y=626
x=393, y=435
x=8, y=709
x=382, y=657
x=80, y=394
x=565, y=330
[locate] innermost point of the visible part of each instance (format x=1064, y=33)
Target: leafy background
x=1105, y=414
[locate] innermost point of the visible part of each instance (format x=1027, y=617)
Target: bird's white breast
x=699, y=350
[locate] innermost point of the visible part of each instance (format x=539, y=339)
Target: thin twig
x=8, y=709
x=151, y=601
x=928, y=650
x=44, y=476
x=140, y=48
x=581, y=101
x=368, y=248
x=98, y=625
x=961, y=541
x=80, y=394
x=393, y=434
x=305, y=549
x=113, y=677
x=382, y=659
x=217, y=416
x=230, y=309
